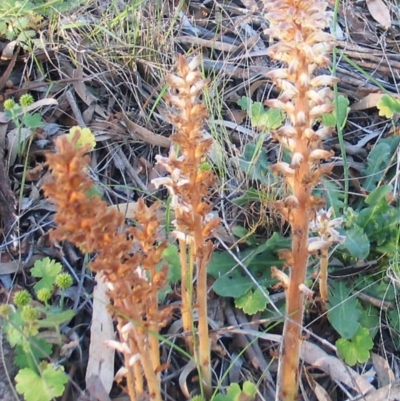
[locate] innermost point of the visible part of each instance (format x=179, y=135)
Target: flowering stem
x=189, y=185
x=302, y=46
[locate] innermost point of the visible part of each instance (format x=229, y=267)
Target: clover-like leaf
x=261, y=118
x=252, y=302
x=33, y=120
x=235, y=393
x=357, y=349
x=44, y=387
x=47, y=270
x=245, y=103
x=387, y=106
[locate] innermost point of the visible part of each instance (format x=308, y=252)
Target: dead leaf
x=84, y=93
x=383, y=371
x=380, y=13
x=9, y=267
x=319, y=391
x=391, y=392
x=145, y=135
x=35, y=173
x=6, y=74
x=3, y=118
x=101, y=358
x=370, y=101
x=96, y=389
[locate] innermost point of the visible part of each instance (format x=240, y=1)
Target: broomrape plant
x=128, y=267
x=302, y=47
x=128, y=258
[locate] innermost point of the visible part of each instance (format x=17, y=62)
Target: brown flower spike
x=126, y=257
x=302, y=47
x=189, y=185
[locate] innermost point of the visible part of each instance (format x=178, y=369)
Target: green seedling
x=24, y=325
x=261, y=118
x=371, y=231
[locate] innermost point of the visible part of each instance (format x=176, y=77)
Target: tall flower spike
x=303, y=46
x=189, y=185
x=133, y=278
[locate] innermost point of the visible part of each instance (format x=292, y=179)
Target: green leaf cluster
x=356, y=338
x=232, y=281
x=20, y=20
x=378, y=162
x=374, y=229
x=262, y=119
x=37, y=380
x=357, y=349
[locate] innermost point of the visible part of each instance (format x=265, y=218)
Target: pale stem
x=154, y=348
x=130, y=380
x=323, y=275
x=186, y=285
x=153, y=326
x=153, y=383
x=204, y=339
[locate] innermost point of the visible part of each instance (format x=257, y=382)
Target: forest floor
x=103, y=65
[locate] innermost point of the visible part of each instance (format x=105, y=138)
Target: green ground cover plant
x=29, y=322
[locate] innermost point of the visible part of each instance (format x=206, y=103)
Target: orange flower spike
x=302, y=45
